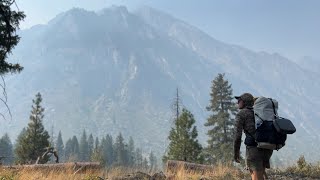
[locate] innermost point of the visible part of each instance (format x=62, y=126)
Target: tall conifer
x=220, y=121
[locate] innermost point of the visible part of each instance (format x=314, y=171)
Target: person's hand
x=237, y=158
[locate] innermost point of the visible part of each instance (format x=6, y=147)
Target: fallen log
x=174, y=166
x=75, y=167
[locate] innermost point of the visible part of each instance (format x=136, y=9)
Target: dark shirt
x=244, y=122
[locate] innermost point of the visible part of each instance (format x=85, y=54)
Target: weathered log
x=173, y=166
x=71, y=166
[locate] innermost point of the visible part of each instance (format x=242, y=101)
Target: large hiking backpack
x=271, y=130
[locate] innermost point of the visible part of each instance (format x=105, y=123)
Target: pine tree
x=138, y=158
x=36, y=138
x=221, y=121
x=68, y=150
x=72, y=149
x=60, y=147
x=84, y=147
x=153, y=162
x=131, y=152
x=18, y=159
x=107, y=148
x=97, y=154
x=120, y=152
x=90, y=146
x=9, y=24
x=6, y=150
x=75, y=149
x=145, y=164
x=183, y=144
x=96, y=143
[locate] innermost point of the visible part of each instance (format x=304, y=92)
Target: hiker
x=256, y=159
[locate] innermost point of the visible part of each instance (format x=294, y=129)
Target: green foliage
x=90, y=145
x=145, y=164
x=153, y=162
x=131, y=152
x=6, y=150
x=84, y=147
x=97, y=154
x=120, y=151
x=72, y=149
x=138, y=158
x=33, y=140
x=108, y=150
x=220, y=143
x=9, y=23
x=60, y=147
x=183, y=144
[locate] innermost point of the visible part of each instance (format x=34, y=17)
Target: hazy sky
x=289, y=27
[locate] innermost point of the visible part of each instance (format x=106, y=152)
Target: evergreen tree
x=96, y=143
x=84, y=147
x=153, y=162
x=18, y=145
x=131, y=152
x=138, y=158
x=107, y=150
x=97, y=154
x=9, y=24
x=68, y=151
x=60, y=147
x=36, y=138
x=183, y=143
x=221, y=121
x=75, y=149
x=145, y=164
x=72, y=149
x=90, y=146
x=120, y=152
x=6, y=150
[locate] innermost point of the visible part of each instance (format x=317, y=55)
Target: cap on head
x=247, y=98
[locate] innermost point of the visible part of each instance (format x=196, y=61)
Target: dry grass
x=218, y=172
x=222, y=172
x=67, y=174
x=302, y=169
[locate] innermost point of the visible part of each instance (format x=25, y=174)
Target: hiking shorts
x=257, y=159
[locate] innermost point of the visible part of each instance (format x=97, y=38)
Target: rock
x=134, y=176
x=158, y=176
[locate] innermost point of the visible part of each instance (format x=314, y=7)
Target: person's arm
x=238, y=127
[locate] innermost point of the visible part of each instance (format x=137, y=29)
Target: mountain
x=310, y=64
x=116, y=71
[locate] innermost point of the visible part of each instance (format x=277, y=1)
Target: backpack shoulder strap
x=274, y=109
x=246, y=132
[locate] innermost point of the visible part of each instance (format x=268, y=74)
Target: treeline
x=108, y=151
x=33, y=141
x=105, y=150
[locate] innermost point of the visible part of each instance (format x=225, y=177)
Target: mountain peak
x=114, y=9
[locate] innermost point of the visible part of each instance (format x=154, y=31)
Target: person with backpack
x=257, y=159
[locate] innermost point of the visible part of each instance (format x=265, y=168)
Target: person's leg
x=266, y=161
x=255, y=162
x=257, y=175
x=265, y=176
